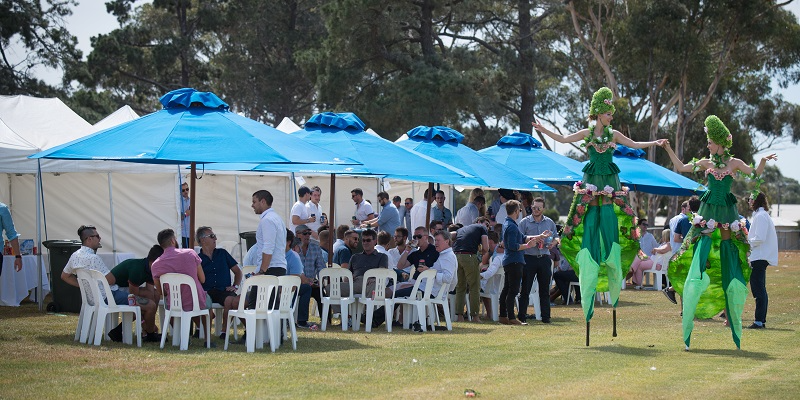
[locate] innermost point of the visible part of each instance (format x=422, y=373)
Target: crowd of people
x=601, y=244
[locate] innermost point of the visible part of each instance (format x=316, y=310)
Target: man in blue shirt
x=389, y=219
x=537, y=260
x=439, y=212
x=7, y=224
x=217, y=266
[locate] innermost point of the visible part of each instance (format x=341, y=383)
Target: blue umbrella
x=194, y=127
x=644, y=176
x=444, y=144
x=522, y=149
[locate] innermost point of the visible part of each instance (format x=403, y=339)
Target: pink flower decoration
x=580, y=209
x=607, y=101
x=576, y=220
x=736, y=226
x=567, y=230
x=591, y=188
x=697, y=219
x=586, y=198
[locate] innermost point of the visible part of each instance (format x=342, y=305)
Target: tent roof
x=121, y=116
x=38, y=123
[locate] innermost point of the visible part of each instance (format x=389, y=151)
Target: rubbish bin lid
x=60, y=243
x=244, y=235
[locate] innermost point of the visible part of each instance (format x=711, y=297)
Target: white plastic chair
x=288, y=295
x=182, y=319
x=492, y=291
x=417, y=302
x=441, y=299
x=371, y=302
x=599, y=296
x=86, y=319
x=102, y=310
x=331, y=278
x=658, y=259
x=257, y=319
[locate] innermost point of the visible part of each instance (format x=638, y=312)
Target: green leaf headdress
x=718, y=132
x=602, y=102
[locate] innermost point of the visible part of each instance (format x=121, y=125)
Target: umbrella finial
x=519, y=139
x=336, y=120
x=188, y=97
x=435, y=132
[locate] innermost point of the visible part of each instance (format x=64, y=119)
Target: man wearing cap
x=643, y=260
x=468, y=240
x=294, y=266
x=313, y=260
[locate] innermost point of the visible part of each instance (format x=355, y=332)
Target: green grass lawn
x=40, y=360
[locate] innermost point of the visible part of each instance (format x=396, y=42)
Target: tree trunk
x=528, y=95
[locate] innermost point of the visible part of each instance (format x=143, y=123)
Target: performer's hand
x=661, y=142
x=538, y=126
x=772, y=156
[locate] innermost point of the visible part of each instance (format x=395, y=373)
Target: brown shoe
x=504, y=321
x=514, y=322
x=476, y=319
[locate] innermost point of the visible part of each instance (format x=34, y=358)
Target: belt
x=538, y=255
x=466, y=252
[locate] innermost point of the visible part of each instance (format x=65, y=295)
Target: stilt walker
x=710, y=270
x=599, y=240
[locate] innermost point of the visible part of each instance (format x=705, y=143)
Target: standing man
x=315, y=209
x=468, y=240
x=439, y=212
x=418, y=212
x=537, y=259
x=389, y=219
x=7, y=224
x=364, y=210
x=270, y=235
x=185, y=223
x=405, y=221
x=401, y=210
x=501, y=214
x=468, y=214
x=763, y=252
x=300, y=213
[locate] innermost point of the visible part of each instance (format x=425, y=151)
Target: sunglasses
x=184, y=190
x=304, y=233
x=417, y=236
x=212, y=236
x=537, y=208
x=366, y=240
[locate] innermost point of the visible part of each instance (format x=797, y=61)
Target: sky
x=90, y=18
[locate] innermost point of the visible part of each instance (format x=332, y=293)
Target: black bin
x=249, y=238
x=66, y=298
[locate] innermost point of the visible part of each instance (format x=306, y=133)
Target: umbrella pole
x=192, y=199
x=428, y=211
x=39, y=266
x=331, y=226
x=238, y=218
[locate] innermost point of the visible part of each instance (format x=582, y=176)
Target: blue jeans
x=121, y=296
x=304, y=295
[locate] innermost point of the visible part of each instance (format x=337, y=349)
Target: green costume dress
x=600, y=235
x=711, y=274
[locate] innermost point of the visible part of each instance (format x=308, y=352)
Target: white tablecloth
x=15, y=286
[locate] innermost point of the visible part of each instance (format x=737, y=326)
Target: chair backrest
x=100, y=289
x=248, y=269
x=428, y=277
x=85, y=284
x=444, y=290
x=381, y=277
x=335, y=276
x=174, y=282
x=289, y=290
x=266, y=287
x=495, y=284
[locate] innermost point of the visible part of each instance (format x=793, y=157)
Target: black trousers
x=251, y=296
x=540, y=268
x=511, y=289
x=563, y=279
x=758, y=285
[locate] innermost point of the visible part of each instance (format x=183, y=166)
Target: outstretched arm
x=761, y=165
x=679, y=165
x=624, y=140
x=579, y=135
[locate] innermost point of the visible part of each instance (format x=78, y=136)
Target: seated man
x=217, y=266
x=360, y=263
x=410, y=258
x=384, y=240
x=488, y=271
x=180, y=261
x=563, y=276
x=343, y=254
x=130, y=275
x=294, y=266
x=86, y=257
x=400, y=243
x=445, y=267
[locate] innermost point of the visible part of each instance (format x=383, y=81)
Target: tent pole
x=238, y=218
x=39, y=266
x=294, y=190
x=332, y=226
x=111, y=209
x=192, y=205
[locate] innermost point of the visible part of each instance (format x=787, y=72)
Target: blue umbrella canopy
x=522, y=149
x=345, y=133
x=193, y=127
x=642, y=175
x=444, y=144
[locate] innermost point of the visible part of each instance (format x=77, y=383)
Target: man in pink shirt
x=180, y=261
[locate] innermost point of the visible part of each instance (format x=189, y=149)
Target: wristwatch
x=236, y=287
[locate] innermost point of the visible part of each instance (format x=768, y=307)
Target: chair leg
x=228, y=337
x=345, y=314
x=388, y=309
x=126, y=328
x=422, y=315
x=291, y=323
x=370, y=311
x=208, y=330
x=165, y=329
x=185, y=332
x=253, y=335
x=138, y=326
x=324, y=318
x=447, y=320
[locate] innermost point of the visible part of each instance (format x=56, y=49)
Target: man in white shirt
x=763, y=252
x=400, y=242
x=469, y=213
x=86, y=257
x=418, y=213
x=270, y=236
x=364, y=211
x=315, y=210
x=300, y=213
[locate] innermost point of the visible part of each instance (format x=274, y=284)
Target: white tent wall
x=143, y=205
